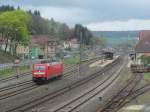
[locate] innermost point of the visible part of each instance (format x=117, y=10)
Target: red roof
x=39, y=39
x=143, y=45
x=144, y=34
x=3, y=39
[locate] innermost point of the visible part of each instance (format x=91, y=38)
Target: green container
x=34, y=53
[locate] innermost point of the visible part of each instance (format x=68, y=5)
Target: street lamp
x=17, y=61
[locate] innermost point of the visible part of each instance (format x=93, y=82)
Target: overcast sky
x=95, y=14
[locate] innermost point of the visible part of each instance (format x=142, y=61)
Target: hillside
x=116, y=33
x=117, y=37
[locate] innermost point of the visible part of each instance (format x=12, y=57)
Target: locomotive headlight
x=39, y=73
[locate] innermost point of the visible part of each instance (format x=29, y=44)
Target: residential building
x=67, y=44
x=23, y=51
x=3, y=42
x=43, y=46
x=74, y=44
x=143, y=46
x=144, y=34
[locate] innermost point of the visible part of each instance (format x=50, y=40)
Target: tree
x=13, y=26
x=37, y=13
x=82, y=34
x=4, y=8
x=17, y=24
x=99, y=41
x=64, y=32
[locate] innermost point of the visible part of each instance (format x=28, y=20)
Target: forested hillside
x=40, y=25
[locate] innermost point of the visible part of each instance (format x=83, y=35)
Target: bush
x=145, y=60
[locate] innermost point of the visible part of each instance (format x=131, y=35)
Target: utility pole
x=80, y=53
x=47, y=51
x=30, y=54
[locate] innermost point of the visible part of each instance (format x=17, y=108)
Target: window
x=39, y=68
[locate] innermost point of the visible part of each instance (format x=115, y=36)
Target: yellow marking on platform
x=134, y=107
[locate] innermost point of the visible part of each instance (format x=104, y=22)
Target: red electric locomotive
x=46, y=71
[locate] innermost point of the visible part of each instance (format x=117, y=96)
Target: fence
x=21, y=64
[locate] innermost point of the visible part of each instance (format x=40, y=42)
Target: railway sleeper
x=117, y=99
x=116, y=102
x=109, y=110
x=123, y=94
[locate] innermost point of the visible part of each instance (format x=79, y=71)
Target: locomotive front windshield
x=39, y=68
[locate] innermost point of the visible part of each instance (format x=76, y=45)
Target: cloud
x=104, y=12
x=133, y=24
x=62, y=14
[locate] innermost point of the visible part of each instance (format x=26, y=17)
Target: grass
x=147, y=77
x=72, y=60
x=126, y=75
x=143, y=99
x=11, y=72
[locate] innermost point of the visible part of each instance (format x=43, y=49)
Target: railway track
x=28, y=73
x=135, y=94
x=68, y=70
x=22, y=87
x=47, y=97
x=116, y=101
x=14, y=77
x=23, y=75
x=83, y=98
x=19, y=88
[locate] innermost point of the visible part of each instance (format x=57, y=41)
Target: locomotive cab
x=39, y=72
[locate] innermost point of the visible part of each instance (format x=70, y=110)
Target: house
x=74, y=43
x=43, y=46
x=66, y=44
x=3, y=42
x=144, y=34
x=143, y=46
x=23, y=51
